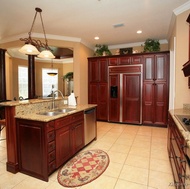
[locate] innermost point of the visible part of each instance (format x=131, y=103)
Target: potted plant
x=151, y=45
x=102, y=50
x=68, y=76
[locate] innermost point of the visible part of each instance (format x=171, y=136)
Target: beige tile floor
x=138, y=160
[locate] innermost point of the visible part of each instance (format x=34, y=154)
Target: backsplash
x=186, y=106
x=37, y=107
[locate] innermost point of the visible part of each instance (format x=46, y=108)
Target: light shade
x=29, y=49
x=52, y=73
x=46, y=54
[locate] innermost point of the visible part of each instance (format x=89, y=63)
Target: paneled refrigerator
x=125, y=94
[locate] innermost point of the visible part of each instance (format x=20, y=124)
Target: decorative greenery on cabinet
x=151, y=45
x=102, y=50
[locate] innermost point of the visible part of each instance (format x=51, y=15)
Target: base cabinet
x=36, y=148
x=43, y=147
x=176, y=150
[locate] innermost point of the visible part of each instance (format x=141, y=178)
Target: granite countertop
x=31, y=101
x=45, y=118
x=185, y=134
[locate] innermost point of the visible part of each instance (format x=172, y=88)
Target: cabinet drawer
x=77, y=117
x=125, y=60
x=51, y=167
x=51, y=146
x=51, y=156
x=50, y=126
x=113, y=61
x=136, y=60
x=62, y=122
x=50, y=136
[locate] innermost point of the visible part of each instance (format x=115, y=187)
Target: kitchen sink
x=56, y=112
x=51, y=113
x=65, y=110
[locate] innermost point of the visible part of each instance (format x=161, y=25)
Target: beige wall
x=81, y=72
x=80, y=66
x=12, y=75
x=140, y=49
x=181, y=34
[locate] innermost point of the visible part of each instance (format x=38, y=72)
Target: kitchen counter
x=185, y=134
x=45, y=118
x=27, y=110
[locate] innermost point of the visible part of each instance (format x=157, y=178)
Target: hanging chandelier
x=33, y=46
x=52, y=72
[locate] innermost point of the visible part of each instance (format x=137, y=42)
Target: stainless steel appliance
x=90, y=126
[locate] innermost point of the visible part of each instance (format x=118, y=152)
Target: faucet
x=53, y=97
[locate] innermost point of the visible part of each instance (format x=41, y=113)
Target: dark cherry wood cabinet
x=69, y=136
x=98, y=86
x=177, y=151
x=36, y=148
x=43, y=147
x=63, y=140
x=155, y=89
x=144, y=98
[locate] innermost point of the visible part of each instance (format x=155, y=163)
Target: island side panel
x=11, y=139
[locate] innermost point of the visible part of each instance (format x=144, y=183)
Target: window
x=49, y=81
x=23, y=81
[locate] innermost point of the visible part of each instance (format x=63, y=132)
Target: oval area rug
x=83, y=168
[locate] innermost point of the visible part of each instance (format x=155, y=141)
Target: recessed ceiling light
x=96, y=38
x=139, y=31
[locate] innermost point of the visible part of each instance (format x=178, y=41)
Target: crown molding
x=182, y=8
x=40, y=35
x=137, y=44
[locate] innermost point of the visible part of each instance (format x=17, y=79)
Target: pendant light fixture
x=33, y=46
x=52, y=73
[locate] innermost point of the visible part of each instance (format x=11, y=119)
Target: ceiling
x=82, y=20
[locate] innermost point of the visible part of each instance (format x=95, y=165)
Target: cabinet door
x=149, y=68
x=97, y=70
x=93, y=93
x=155, y=103
x=63, y=145
x=160, y=105
x=114, y=97
x=93, y=70
x=103, y=70
x=148, y=103
x=77, y=135
x=131, y=100
x=33, y=154
x=102, y=109
x=161, y=67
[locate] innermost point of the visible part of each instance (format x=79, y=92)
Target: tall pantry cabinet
x=155, y=89
x=98, y=86
x=113, y=79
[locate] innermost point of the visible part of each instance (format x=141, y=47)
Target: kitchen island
x=38, y=144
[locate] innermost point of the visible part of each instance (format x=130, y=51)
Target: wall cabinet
x=155, y=89
x=43, y=147
x=148, y=94
x=98, y=86
x=177, y=150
